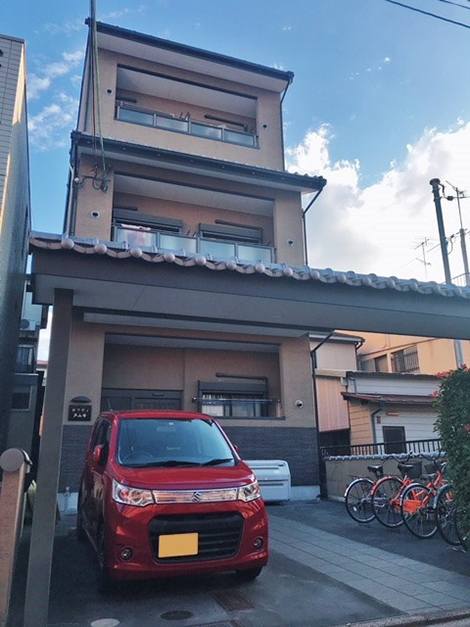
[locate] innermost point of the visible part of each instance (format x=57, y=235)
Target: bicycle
x=357, y=496
x=386, y=493
x=417, y=503
x=445, y=514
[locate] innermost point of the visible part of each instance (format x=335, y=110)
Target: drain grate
x=232, y=600
x=176, y=615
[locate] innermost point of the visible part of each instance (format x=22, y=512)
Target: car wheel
x=104, y=583
x=249, y=575
x=80, y=531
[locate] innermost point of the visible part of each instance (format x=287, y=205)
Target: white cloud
x=51, y=127
x=67, y=28
x=40, y=83
x=376, y=228
x=287, y=27
x=386, y=60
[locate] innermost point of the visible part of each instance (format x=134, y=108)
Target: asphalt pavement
x=324, y=571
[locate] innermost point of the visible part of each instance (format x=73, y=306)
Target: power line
x=438, y=17
x=455, y=4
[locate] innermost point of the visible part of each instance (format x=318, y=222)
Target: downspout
x=321, y=466
x=304, y=224
x=289, y=82
x=374, y=434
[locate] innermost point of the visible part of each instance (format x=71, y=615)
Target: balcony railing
x=183, y=244
x=146, y=117
x=237, y=407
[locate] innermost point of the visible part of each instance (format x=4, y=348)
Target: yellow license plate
x=178, y=545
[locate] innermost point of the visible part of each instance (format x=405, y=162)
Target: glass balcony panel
x=136, y=237
x=175, y=242
x=203, y=130
x=239, y=138
x=222, y=250
x=136, y=117
x=254, y=253
x=173, y=124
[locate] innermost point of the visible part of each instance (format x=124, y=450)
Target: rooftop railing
x=146, y=117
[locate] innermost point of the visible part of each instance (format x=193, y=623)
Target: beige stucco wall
x=283, y=228
x=269, y=154
x=93, y=365
x=84, y=365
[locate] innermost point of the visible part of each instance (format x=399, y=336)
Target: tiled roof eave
x=115, y=250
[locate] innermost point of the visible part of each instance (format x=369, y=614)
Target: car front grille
x=219, y=535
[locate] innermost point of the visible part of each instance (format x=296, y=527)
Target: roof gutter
x=321, y=463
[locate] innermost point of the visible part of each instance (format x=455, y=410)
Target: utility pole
x=436, y=185
x=424, y=261
x=460, y=194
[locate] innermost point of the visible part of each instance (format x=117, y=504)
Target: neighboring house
x=332, y=360
x=382, y=352
x=28, y=389
x=14, y=214
x=390, y=408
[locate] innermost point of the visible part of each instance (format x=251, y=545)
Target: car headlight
x=249, y=492
x=131, y=496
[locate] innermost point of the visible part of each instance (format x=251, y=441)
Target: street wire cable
x=439, y=17
x=455, y=4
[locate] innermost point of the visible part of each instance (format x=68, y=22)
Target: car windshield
x=154, y=442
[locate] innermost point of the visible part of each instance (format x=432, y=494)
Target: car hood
x=185, y=478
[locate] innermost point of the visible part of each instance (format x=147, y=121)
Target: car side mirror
x=98, y=454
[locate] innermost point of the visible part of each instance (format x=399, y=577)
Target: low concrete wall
x=340, y=472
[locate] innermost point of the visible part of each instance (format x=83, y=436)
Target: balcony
x=186, y=245
x=145, y=117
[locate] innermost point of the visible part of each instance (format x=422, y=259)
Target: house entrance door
x=140, y=399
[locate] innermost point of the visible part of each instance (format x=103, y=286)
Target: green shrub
x=453, y=425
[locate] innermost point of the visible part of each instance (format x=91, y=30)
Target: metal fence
x=384, y=448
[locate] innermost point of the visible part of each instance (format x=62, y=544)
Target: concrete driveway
x=324, y=570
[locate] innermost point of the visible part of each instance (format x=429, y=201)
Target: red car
x=165, y=493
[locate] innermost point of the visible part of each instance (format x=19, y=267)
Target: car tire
x=249, y=575
x=104, y=582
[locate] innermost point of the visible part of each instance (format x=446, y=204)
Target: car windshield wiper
x=166, y=463
x=216, y=462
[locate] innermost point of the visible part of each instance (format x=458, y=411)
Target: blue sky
x=380, y=104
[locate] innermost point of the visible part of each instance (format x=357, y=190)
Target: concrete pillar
x=296, y=382
x=14, y=463
x=42, y=533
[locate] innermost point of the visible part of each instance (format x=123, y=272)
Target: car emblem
x=197, y=496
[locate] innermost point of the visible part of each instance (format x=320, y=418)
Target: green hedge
x=453, y=425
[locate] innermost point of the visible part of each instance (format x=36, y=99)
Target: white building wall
x=419, y=425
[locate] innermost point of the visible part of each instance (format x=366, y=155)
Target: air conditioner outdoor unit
x=273, y=477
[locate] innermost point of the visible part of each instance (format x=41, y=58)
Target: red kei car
x=165, y=493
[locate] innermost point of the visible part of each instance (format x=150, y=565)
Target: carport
x=108, y=282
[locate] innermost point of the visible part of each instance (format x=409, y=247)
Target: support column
x=44, y=519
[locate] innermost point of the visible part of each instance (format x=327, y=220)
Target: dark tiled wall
x=74, y=443
x=296, y=445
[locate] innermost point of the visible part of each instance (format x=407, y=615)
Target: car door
x=98, y=469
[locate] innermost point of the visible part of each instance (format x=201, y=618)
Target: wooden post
x=15, y=464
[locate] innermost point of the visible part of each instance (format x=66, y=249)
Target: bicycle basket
x=416, y=471
x=431, y=468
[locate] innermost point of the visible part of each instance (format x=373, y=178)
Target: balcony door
x=140, y=399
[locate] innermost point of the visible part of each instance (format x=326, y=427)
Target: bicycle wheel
x=418, y=511
x=358, y=501
x=444, y=511
x=386, y=501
